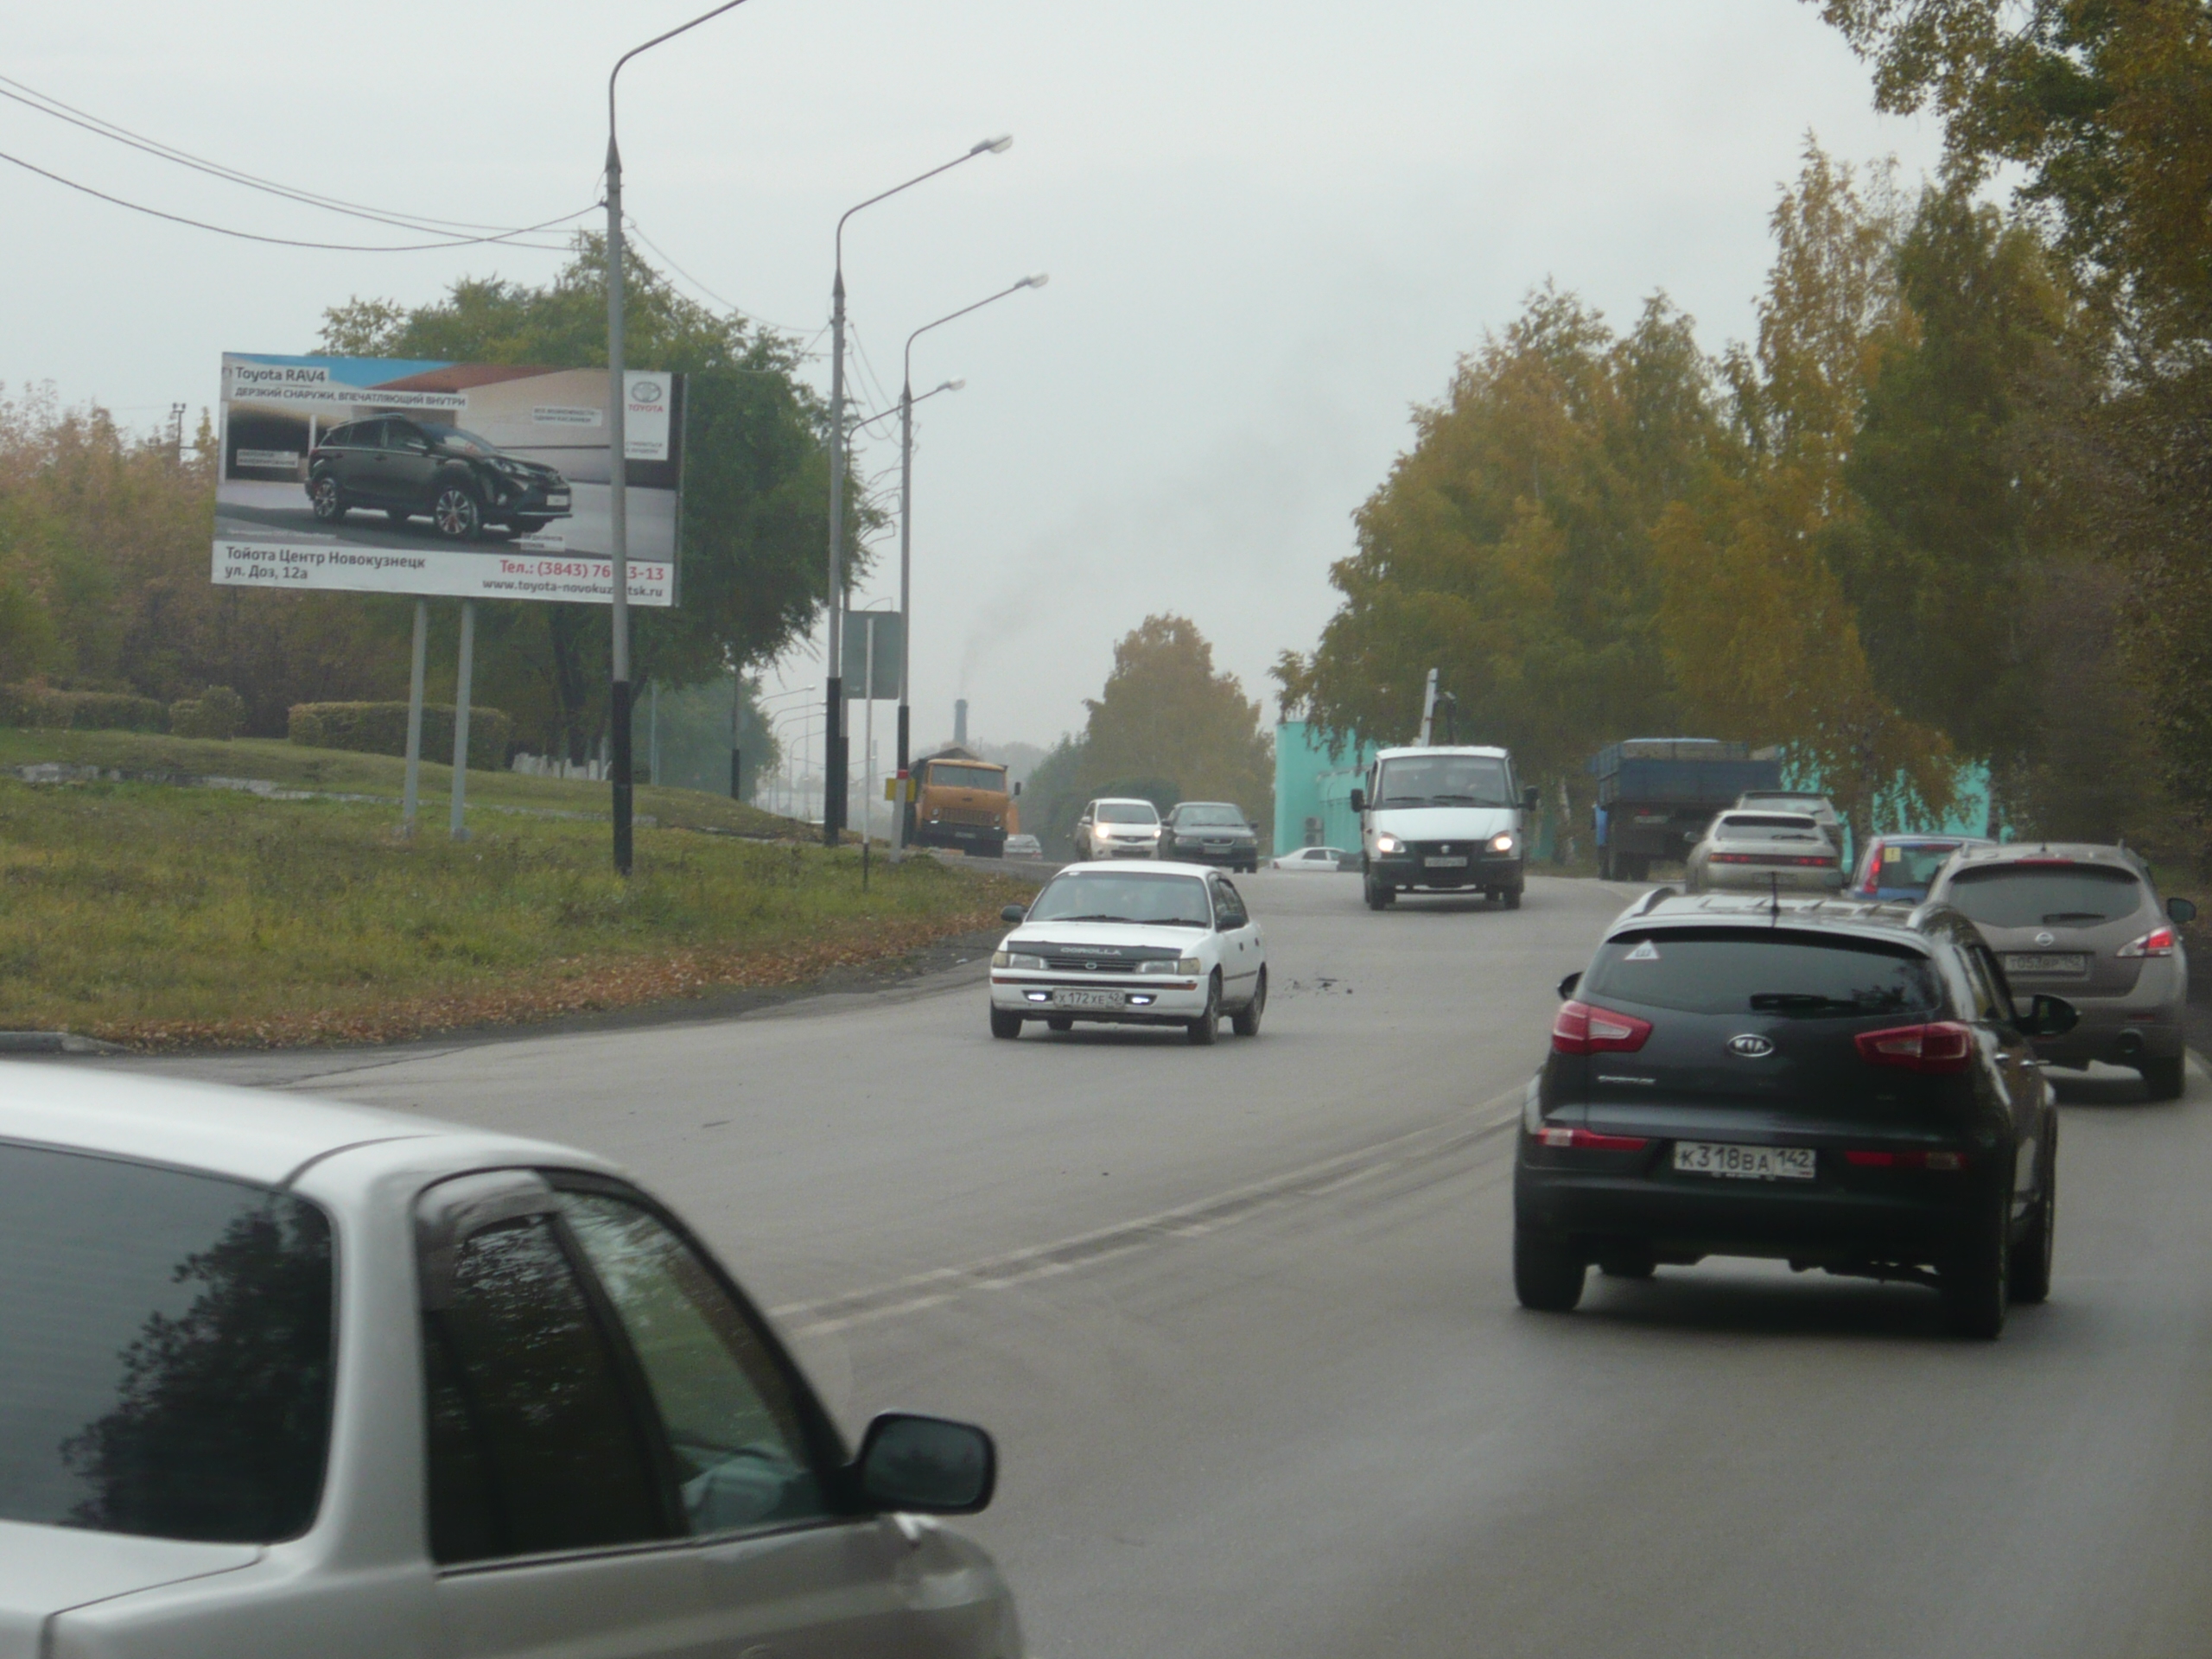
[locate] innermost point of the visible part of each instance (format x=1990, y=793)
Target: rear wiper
x=1802, y=1002
x=2078, y=916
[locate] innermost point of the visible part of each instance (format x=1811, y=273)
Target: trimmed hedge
x=108, y=711
x=381, y=728
x=217, y=713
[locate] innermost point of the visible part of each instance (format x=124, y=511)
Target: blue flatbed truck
x=1655, y=795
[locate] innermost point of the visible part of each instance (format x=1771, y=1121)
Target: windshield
x=166, y=1366
x=1127, y=812
x=1232, y=818
x=453, y=438
x=1444, y=780
x=2038, y=895
x=948, y=777
x=1912, y=867
x=1700, y=970
x=1767, y=827
x=1171, y=900
x=1814, y=804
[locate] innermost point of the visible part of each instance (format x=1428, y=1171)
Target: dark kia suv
x=413, y=469
x=1839, y=1085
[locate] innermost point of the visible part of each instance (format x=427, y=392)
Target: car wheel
x=2031, y=1255
x=1058, y=1022
x=1977, y=1284
x=1245, y=1022
x=327, y=499
x=2163, y=1079
x=1207, y=1025
x=1547, y=1273
x=1513, y=898
x=457, y=513
x=1379, y=894
x=1605, y=864
x=1005, y=1025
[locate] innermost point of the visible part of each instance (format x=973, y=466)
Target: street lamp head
x=1038, y=281
x=956, y=385
x=997, y=146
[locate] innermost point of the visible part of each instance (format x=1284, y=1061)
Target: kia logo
x=644, y=391
x=2046, y=939
x=1751, y=1046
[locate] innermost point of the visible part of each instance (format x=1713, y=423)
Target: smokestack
x=960, y=721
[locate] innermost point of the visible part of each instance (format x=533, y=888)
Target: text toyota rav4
x=1844, y=1086
x=409, y=469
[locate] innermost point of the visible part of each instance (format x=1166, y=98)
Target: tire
x=398, y=516
x=1605, y=864
x=1977, y=1285
x=1637, y=866
x=1547, y=1274
x=2164, y=1079
x=1005, y=1026
x=456, y=513
x=2031, y=1255
x=1204, y=1029
x=1512, y=898
x=1379, y=894
x=327, y=499
x=1058, y=1022
x=1245, y=1022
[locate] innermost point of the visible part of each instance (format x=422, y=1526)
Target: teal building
x=1314, y=787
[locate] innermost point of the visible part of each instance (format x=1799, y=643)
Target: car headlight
x=1389, y=844
x=1181, y=965
x=1016, y=959
x=1501, y=843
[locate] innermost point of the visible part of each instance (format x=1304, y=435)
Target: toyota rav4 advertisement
x=477, y=480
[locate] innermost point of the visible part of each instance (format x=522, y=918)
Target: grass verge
x=167, y=917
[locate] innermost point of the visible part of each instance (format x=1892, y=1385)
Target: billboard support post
x=413, y=790
x=466, y=673
x=618, y=458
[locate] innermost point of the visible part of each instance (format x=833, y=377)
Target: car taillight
x=1589, y=1139
x=1951, y=1162
x=1729, y=858
x=2159, y=942
x=1940, y=1045
x=1583, y=1029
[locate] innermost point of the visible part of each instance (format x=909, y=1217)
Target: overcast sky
x=1270, y=228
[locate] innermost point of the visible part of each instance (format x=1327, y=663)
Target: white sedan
x=283, y=1378
x=1171, y=944
x=1314, y=860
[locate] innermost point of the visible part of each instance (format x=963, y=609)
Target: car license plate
x=2058, y=962
x=1087, y=999
x=1746, y=1163
x=1446, y=863
x=557, y=501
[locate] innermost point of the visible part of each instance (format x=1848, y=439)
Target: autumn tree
x=1166, y=715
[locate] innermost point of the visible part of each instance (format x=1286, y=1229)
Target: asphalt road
x=1241, y=1317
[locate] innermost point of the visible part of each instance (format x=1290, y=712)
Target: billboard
x=474, y=480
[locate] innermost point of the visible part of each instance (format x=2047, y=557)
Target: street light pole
x=833, y=810
x=906, y=401
x=618, y=459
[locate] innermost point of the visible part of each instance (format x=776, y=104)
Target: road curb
x=55, y=1042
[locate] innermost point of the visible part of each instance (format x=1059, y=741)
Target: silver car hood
x=48, y=1570
x=1444, y=823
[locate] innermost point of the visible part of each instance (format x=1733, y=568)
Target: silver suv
x=2084, y=922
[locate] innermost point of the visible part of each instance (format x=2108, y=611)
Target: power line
x=293, y=242
x=45, y=103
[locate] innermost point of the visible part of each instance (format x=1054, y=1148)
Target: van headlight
x=1387, y=843
x=1017, y=959
x=1501, y=843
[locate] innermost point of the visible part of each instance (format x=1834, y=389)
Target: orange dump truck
x=961, y=800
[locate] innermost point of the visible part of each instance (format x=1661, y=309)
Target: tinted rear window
x=167, y=1358
x=1717, y=970
x=2045, y=895
x=1772, y=826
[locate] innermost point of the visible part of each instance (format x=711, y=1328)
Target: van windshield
x=1444, y=780
x=1736, y=970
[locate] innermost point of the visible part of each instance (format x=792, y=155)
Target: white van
x=1443, y=820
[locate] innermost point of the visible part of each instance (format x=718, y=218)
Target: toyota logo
x=2046, y=939
x=644, y=391
x=1446, y=847
x=1751, y=1046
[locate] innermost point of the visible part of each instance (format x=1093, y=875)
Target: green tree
x=1165, y=715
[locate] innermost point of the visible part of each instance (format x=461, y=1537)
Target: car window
x=368, y=434
x=1124, y=897
x=1992, y=1003
x=1739, y=970
x=726, y=1408
x=1227, y=905
x=1128, y=812
x=1911, y=866
x=340, y=435
x=533, y=1446
x=1219, y=816
x=1768, y=826
x=166, y=1360
x=2044, y=895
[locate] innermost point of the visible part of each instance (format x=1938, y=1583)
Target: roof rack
x=1643, y=905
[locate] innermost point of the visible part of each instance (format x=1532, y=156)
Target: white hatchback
x=1170, y=945
x=283, y=1378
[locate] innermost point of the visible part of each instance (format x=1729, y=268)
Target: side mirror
x=1015, y=914
x=1529, y=798
x=925, y=1465
x=1359, y=800
x=2049, y=1016
x=2181, y=910
x=1566, y=985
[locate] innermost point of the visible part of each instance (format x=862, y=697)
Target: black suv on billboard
x=413, y=469
x=1846, y=1086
